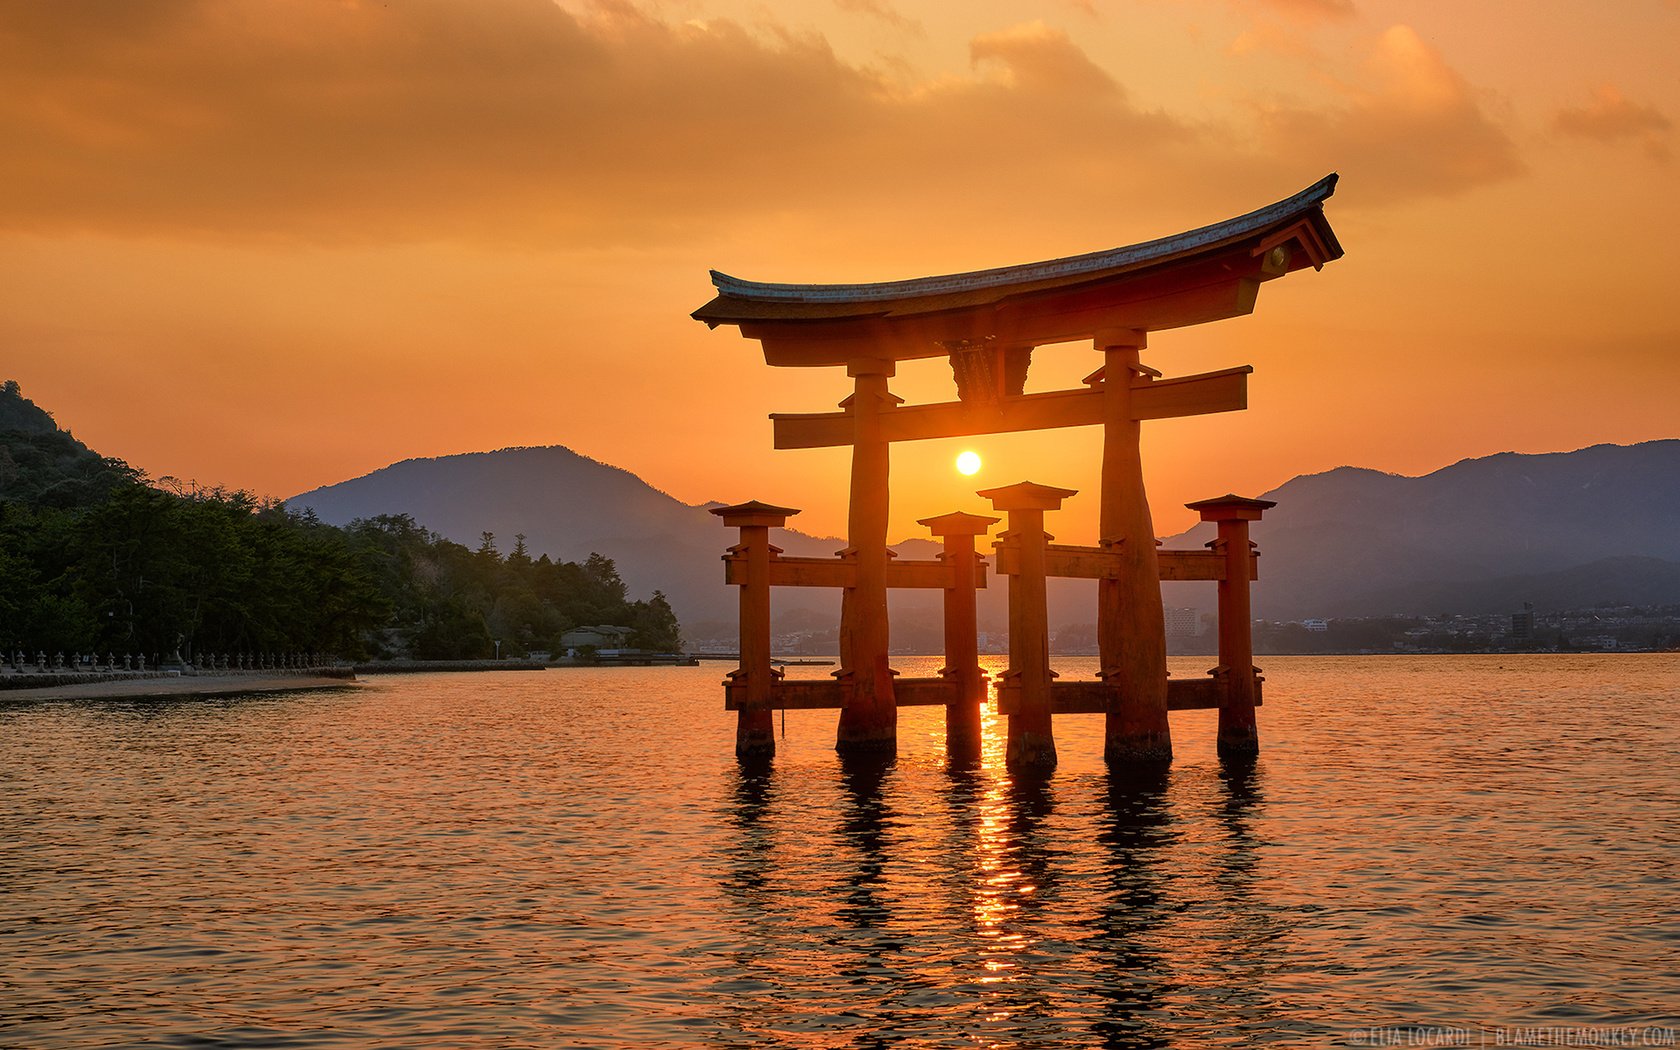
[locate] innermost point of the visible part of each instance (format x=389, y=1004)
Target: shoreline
x=152, y=685
x=443, y=666
x=181, y=685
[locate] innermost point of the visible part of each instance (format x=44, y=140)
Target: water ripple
x=574, y=859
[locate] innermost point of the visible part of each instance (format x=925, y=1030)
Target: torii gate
x=988, y=323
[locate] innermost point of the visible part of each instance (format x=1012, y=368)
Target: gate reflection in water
x=978, y=914
x=575, y=858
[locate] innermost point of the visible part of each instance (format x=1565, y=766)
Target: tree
x=92, y=555
x=655, y=625
x=600, y=572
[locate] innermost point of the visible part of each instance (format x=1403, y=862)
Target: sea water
x=1437, y=850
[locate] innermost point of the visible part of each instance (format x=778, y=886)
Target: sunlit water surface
x=573, y=858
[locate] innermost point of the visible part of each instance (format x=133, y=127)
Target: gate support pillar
x=962, y=631
x=755, y=736
x=1032, y=743
x=1239, y=733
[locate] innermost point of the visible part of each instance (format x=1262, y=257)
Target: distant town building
x=1184, y=622
x=1316, y=626
x=602, y=637
x=1522, y=623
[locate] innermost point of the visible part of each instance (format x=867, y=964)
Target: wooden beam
x=823, y=694
x=801, y=695
x=1091, y=698
x=927, y=692
x=1066, y=698
x=796, y=572
x=835, y=572
x=1066, y=561
x=1222, y=391
x=1195, y=395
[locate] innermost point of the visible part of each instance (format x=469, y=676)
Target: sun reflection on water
x=578, y=860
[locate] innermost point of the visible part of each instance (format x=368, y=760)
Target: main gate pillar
x=1131, y=627
x=869, y=721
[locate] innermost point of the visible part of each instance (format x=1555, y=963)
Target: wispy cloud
x=883, y=12
x=518, y=121
x=1612, y=117
x=1310, y=10
x=1409, y=126
x=1088, y=8
x=507, y=119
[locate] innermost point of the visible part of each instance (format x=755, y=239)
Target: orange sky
x=277, y=243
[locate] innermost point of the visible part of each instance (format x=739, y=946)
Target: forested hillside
x=93, y=557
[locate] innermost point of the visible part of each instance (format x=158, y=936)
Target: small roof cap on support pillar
x=1026, y=495
x=744, y=515
x=958, y=523
x=1231, y=508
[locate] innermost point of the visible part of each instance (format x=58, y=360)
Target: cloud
x=1275, y=39
x=1310, y=10
x=883, y=11
x=1612, y=117
x=518, y=121
x=1088, y=8
x=1410, y=127
x=1041, y=59
x=511, y=119
x=1291, y=37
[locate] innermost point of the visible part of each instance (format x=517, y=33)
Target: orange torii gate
x=987, y=323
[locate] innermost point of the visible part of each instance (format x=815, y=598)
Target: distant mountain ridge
x=1352, y=542
x=1600, y=525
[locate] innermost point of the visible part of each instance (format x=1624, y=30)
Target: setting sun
x=968, y=463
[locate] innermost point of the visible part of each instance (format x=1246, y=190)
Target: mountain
x=1624, y=580
x=1479, y=535
x=1564, y=529
x=43, y=465
x=567, y=506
